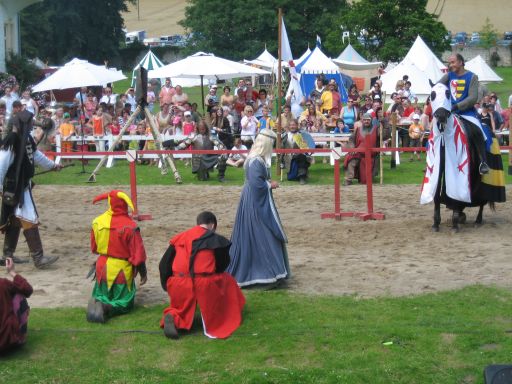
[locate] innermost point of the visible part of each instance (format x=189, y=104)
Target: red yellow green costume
x=117, y=240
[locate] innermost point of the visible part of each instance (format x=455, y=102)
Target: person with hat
x=355, y=162
x=18, y=157
x=189, y=125
x=416, y=131
x=116, y=239
x=66, y=131
x=211, y=100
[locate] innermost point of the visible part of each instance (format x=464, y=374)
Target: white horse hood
x=440, y=97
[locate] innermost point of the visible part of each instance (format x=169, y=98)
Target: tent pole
x=202, y=92
x=279, y=85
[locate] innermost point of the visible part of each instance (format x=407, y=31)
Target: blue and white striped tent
x=149, y=62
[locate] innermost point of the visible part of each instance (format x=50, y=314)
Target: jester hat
x=118, y=202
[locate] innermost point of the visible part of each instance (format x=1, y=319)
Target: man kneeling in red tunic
x=192, y=273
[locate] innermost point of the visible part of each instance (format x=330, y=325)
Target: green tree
x=387, y=28
x=57, y=30
x=236, y=29
x=488, y=35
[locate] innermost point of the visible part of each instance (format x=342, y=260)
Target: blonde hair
x=248, y=108
x=262, y=146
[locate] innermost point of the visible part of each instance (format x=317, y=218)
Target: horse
x=452, y=174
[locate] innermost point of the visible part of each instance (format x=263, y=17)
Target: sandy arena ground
x=398, y=256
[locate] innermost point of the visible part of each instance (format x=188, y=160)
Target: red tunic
x=9, y=324
x=360, y=142
x=219, y=298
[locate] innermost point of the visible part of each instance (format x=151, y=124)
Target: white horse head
x=440, y=101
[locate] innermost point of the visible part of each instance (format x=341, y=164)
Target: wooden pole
x=279, y=85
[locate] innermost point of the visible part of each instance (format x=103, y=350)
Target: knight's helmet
x=118, y=202
x=440, y=98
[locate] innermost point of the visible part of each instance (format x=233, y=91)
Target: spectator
x=286, y=117
x=486, y=117
x=29, y=103
x=265, y=121
x=166, y=93
x=353, y=94
x=315, y=97
x=150, y=97
x=189, y=125
x=313, y=120
x=407, y=92
x=331, y=100
x=211, y=100
x=416, y=131
x=16, y=91
x=227, y=99
x=408, y=108
x=203, y=164
x=130, y=99
x=376, y=91
x=192, y=281
x=8, y=98
x=349, y=114
x=249, y=127
x=99, y=129
x=220, y=124
x=66, y=131
x=108, y=97
x=227, y=114
x=251, y=96
x=297, y=164
x=81, y=96
x=14, y=309
x=179, y=98
x=90, y=105
x=237, y=159
x=263, y=101
x=163, y=120
x=367, y=106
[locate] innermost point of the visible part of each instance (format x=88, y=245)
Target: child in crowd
x=188, y=126
x=265, y=121
x=237, y=159
x=66, y=131
x=415, y=135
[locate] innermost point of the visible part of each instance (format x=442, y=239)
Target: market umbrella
x=205, y=66
x=79, y=73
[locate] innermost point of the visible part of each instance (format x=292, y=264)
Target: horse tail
x=492, y=206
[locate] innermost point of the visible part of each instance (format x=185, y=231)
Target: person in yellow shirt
x=66, y=131
x=415, y=135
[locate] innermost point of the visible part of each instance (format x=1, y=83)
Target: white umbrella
x=79, y=73
x=205, y=66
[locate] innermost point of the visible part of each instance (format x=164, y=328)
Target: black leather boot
x=12, y=234
x=36, y=249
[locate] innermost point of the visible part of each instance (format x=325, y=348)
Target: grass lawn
x=447, y=337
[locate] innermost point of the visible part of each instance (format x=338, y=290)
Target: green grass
x=320, y=174
x=503, y=89
x=447, y=337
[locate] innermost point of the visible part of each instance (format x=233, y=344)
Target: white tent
x=479, y=67
x=423, y=58
x=352, y=60
x=149, y=62
x=303, y=57
x=418, y=78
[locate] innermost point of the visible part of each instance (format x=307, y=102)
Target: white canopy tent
x=418, y=78
x=79, y=73
x=350, y=59
x=267, y=61
x=423, y=58
x=484, y=72
x=303, y=57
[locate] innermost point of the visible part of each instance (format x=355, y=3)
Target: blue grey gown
x=258, y=251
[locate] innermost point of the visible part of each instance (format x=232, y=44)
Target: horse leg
x=437, y=209
x=462, y=216
x=455, y=219
x=479, y=220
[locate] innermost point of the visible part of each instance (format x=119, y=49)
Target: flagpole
x=279, y=74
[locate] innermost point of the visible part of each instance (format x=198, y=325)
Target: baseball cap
x=187, y=113
x=66, y=115
x=415, y=116
x=367, y=116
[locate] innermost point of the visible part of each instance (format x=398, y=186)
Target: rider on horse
x=463, y=87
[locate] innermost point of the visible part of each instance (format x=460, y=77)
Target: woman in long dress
x=258, y=251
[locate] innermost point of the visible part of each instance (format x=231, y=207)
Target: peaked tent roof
x=422, y=56
x=351, y=59
x=419, y=80
x=266, y=60
x=316, y=63
x=149, y=62
x=484, y=72
x=303, y=57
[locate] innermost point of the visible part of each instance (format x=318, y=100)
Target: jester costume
x=297, y=164
x=192, y=273
x=117, y=240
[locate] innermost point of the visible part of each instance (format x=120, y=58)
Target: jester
x=297, y=164
x=116, y=238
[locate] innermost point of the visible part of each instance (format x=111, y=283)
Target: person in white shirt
x=108, y=97
x=130, y=99
x=29, y=103
x=8, y=98
x=237, y=159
